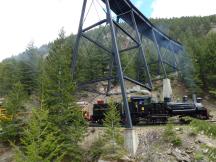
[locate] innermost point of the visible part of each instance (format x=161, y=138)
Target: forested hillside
x=197, y=34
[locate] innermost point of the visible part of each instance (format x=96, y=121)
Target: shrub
x=204, y=126
x=198, y=156
x=212, y=154
x=170, y=136
x=95, y=151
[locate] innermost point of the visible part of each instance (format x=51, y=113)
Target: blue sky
x=145, y=6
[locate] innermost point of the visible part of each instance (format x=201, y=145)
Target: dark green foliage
x=195, y=33
x=29, y=69
x=8, y=75
x=39, y=141
x=92, y=63
x=112, y=125
x=113, y=138
x=15, y=99
x=95, y=151
x=58, y=97
x=14, y=104
x=23, y=68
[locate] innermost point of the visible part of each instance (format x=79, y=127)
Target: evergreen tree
x=59, y=99
x=112, y=124
x=9, y=75
x=112, y=135
x=14, y=104
x=39, y=141
x=29, y=69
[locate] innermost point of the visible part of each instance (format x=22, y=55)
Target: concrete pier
x=131, y=141
x=167, y=89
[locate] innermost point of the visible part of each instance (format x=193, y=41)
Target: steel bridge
x=126, y=11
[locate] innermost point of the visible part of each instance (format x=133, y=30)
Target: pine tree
x=39, y=141
x=59, y=99
x=14, y=104
x=29, y=69
x=113, y=136
x=8, y=76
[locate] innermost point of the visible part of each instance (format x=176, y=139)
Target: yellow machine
x=4, y=116
x=3, y=113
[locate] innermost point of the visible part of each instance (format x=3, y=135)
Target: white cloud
x=178, y=8
x=23, y=21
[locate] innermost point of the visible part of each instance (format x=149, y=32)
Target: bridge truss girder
x=115, y=53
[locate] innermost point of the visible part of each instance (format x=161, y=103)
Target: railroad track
x=152, y=124
x=211, y=121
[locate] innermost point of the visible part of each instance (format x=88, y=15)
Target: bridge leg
x=110, y=74
x=118, y=64
x=111, y=63
x=175, y=61
x=159, y=53
x=141, y=49
x=76, y=46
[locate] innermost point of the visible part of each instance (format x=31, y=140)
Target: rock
x=189, y=151
x=205, y=140
x=125, y=159
x=169, y=152
x=102, y=160
x=197, y=141
x=7, y=156
x=181, y=156
x=122, y=159
x=178, y=129
x=205, y=151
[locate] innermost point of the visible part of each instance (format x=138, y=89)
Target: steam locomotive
x=143, y=108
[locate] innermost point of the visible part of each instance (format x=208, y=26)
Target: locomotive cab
x=137, y=104
x=143, y=108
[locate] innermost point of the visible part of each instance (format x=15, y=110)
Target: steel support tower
x=133, y=18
